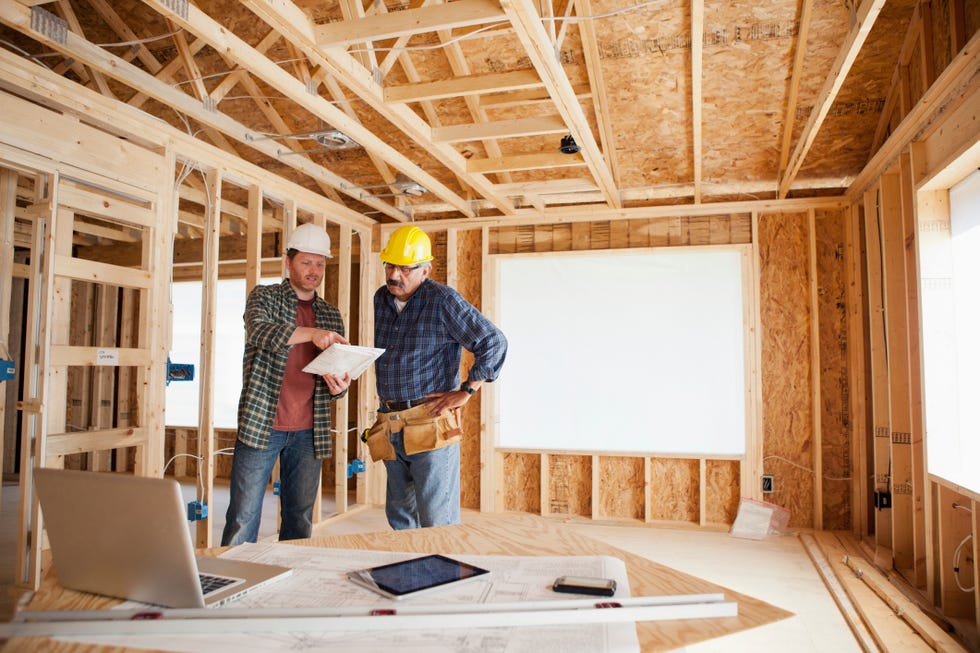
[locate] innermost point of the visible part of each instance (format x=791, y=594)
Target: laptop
x=126, y=536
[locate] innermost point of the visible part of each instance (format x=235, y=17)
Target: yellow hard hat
x=407, y=245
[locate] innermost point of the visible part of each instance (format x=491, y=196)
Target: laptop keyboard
x=210, y=584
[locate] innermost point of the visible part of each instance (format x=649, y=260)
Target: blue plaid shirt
x=424, y=342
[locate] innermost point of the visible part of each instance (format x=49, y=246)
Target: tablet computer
x=409, y=578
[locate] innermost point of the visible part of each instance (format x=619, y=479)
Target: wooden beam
x=815, y=368
x=865, y=18
x=953, y=84
x=517, y=128
x=806, y=10
x=18, y=17
x=290, y=21
x=527, y=25
x=208, y=376
x=462, y=13
x=515, y=80
x=528, y=97
x=69, y=15
x=597, y=82
x=697, y=57
x=235, y=49
x=525, y=162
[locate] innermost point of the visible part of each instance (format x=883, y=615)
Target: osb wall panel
x=721, y=484
x=621, y=487
x=469, y=266
x=834, y=418
x=522, y=482
x=785, y=327
x=622, y=234
x=570, y=485
x=675, y=489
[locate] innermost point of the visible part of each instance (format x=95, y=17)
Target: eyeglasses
x=404, y=269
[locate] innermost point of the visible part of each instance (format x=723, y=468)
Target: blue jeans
x=423, y=489
x=299, y=477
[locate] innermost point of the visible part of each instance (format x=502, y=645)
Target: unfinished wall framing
x=92, y=393
x=917, y=522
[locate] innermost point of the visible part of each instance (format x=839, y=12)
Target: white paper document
x=318, y=581
x=339, y=359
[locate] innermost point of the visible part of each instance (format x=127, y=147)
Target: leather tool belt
x=421, y=431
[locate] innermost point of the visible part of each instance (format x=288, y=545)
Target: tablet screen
x=417, y=574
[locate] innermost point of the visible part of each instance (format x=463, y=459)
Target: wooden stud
x=207, y=375
x=896, y=352
x=815, y=398
x=879, y=375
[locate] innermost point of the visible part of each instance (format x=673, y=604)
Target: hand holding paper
x=340, y=359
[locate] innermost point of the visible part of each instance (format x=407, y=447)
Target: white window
x=229, y=339
x=953, y=374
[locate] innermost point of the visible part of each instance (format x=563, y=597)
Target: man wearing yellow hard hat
x=423, y=326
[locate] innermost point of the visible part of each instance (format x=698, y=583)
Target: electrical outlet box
x=276, y=488
x=883, y=499
x=197, y=511
x=355, y=466
x=768, y=484
x=7, y=369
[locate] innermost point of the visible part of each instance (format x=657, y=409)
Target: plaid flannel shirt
x=270, y=320
x=423, y=344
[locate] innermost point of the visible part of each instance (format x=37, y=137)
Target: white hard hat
x=311, y=239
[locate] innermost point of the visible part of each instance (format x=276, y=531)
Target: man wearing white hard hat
x=284, y=412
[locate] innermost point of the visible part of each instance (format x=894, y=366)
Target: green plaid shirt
x=270, y=320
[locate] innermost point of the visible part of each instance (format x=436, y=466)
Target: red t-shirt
x=295, y=411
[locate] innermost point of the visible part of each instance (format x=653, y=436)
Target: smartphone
x=585, y=585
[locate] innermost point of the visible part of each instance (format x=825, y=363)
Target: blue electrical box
x=355, y=466
x=7, y=369
x=197, y=511
x=179, y=371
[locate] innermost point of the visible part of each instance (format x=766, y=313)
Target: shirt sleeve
x=264, y=326
x=478, y=335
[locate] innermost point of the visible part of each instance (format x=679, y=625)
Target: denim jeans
x=423, y=489
x=299, y=481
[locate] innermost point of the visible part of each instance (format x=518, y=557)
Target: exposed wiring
x=149, y=39
x=957, y=506
x=789, y=462
x=435, y=46
x=229, y=72
x=806, y=469
x=200, y=479
x=614, y=12
x=956, y=565
x=25, y=53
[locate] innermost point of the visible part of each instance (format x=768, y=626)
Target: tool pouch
x=378, y=439
x=424, y=432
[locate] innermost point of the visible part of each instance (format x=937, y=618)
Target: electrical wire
x=807, y=469
x=25, y=53
x=614, y=12
x=149, y=39
x=956, y=565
